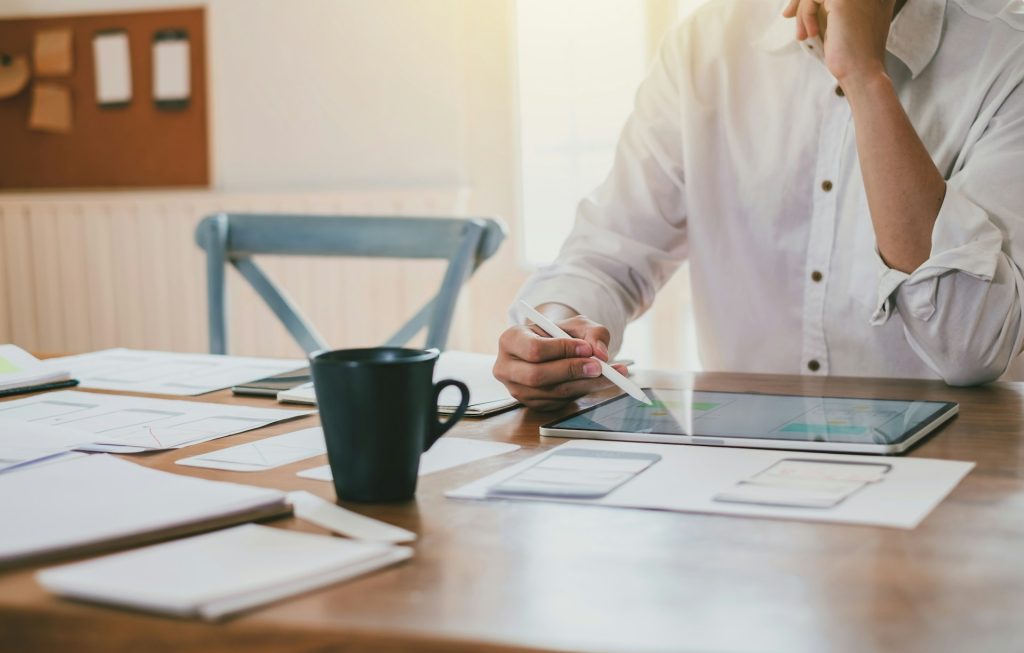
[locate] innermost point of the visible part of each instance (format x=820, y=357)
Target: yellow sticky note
x=52, y=54
x=7, y=367
x=51, y=108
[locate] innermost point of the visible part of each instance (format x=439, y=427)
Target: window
x=580, y=63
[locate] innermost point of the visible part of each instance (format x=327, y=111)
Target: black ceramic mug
x=378, y=409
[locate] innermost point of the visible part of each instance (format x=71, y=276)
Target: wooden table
x=531, y=576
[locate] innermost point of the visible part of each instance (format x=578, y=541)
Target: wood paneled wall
x=87, y=271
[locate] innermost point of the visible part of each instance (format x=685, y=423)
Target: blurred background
x=509, y=108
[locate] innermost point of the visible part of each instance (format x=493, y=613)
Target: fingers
x=557, y=396
x=590, y=332
x=546, y=373
x=790, y=10
x=524, y=343
x=807, y=19
x=537, y=375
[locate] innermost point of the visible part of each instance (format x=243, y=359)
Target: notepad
x=215, y=575
x=97, y=502
x=22, y=372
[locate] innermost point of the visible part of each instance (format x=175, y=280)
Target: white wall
x=320, y=94
x=388, y=96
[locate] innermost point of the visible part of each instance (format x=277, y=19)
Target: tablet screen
x=769, y=417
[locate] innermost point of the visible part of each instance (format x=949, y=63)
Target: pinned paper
x=113, y=68
x=171, y=80
x=13, y=75
x=51, y=108
x=53, y=55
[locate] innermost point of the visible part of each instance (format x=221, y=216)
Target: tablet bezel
x=945, y=411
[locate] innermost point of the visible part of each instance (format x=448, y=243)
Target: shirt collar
x=913, y=38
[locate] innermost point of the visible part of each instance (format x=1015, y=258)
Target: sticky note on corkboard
x=52, y=53
x=51, y=108
x=136, y=145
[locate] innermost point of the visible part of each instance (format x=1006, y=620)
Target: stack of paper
x=163, y=372
x=218, y=574
x=21, y=372
x=486, y=394
x=94, y=502
x=121, y=424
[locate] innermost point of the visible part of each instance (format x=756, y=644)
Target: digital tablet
x=738, y=419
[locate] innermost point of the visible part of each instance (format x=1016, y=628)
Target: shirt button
x=826, y=185
x=813, y=365
x=840, y=92
x=815, y=276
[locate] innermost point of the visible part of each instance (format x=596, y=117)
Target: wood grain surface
x=497, y=576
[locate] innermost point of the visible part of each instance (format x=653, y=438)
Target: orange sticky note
x=13, y=75
x=52, y=54
x=51, y=108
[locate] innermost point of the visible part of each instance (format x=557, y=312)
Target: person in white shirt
x=859, y=213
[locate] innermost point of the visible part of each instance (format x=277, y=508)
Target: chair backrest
x=234, y=238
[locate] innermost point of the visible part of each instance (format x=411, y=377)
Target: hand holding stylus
x=547, y=373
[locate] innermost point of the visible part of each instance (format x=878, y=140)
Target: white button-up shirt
x=740, y=156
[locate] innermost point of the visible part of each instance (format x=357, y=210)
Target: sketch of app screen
x=805, y=483
x=576, y=474
x=172, y=83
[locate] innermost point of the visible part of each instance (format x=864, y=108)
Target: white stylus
x=609, y=372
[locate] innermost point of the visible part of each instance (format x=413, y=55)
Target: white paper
x=97, y=498
x=171, y=70
x=217, y=574
x=267, y=453
x=19, y=369
x=113, y=68
x=475, y=370
x=23, y=443
x=168, y=373
x=311, y=508
x=446, y=453
x=133, y=424
x=687, y=478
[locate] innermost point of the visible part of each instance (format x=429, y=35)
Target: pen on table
x=609, y=372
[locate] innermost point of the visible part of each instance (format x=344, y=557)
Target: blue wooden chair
x=235, y=238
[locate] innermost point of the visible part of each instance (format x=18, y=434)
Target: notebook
x=215, y=575
x=486, y=394
x=98, y=502
x=22, y=372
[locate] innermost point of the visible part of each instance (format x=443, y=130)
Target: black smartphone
x=269, y=386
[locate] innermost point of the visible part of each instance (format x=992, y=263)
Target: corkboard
x=138, y=145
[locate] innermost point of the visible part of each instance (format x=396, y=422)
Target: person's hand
x=854, y=32
x=546, y=373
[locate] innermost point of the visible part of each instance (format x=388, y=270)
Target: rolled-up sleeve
x=630, y=233
x=962, y=309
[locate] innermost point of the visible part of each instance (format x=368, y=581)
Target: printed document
x=688, y=478
x=167, y=373
x=133, y=424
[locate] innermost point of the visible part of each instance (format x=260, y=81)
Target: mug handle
x=437, y=427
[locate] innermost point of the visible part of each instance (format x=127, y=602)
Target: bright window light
x=580, y=62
